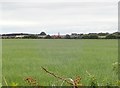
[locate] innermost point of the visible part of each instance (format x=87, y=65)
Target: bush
x=67, y=37
x=31, y=37
x=111, y=36
x=85, y=36
x=93, y=36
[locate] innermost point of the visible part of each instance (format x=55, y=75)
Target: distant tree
x=118, y=37
x=67, y=37
x=31, y=36
x=102, y=34
x=80, y=36
x=48, y=37
x=74, y=36
x=111, y=36
x=85, y=36
x=93, y=36
x=117, y=34
x=42, y=33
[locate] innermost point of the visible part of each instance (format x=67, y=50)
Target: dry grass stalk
x=70, y=81
x=5, y=81
x=56, y=76
x=77, y=81
x=31, y=81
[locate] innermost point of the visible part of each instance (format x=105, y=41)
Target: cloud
x=59, y=1
x=59, y=16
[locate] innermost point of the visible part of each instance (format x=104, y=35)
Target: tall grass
x=70, y=58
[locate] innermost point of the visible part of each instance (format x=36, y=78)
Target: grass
x=68, y=58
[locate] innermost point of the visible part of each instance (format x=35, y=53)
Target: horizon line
x=54, y=33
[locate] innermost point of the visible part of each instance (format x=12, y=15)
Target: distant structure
x=42, y=35
x=58, y=33
x=58, y=36
x=15, y=35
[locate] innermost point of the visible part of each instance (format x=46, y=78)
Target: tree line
x=43, y=35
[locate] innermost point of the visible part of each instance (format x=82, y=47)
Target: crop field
x=23, y=58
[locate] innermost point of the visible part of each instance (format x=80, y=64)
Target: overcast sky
x=53, y=16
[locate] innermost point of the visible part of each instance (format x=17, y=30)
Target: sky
x=63, y=16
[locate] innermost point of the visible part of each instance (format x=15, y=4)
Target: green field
x=68, y=58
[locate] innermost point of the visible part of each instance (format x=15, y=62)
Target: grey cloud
x=63, y=16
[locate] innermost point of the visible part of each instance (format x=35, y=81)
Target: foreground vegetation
x=68, y=58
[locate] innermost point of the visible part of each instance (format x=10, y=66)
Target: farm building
x=15, y=35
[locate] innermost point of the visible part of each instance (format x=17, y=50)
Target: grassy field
x=67, y=58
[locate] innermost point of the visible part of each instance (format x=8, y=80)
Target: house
x=55, y=37
x=62, y=36
x=58, y=36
